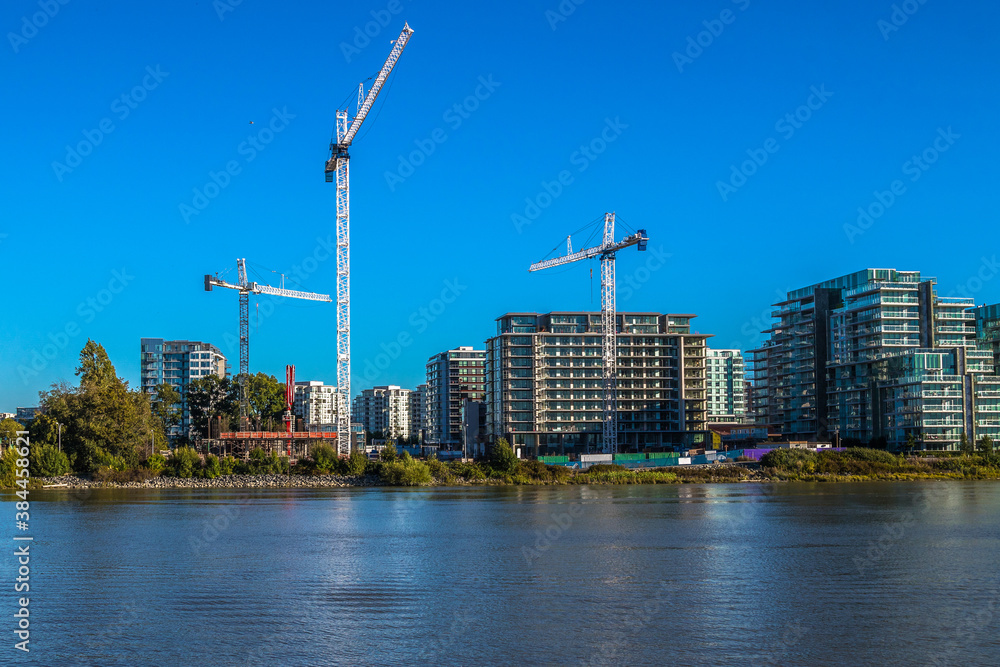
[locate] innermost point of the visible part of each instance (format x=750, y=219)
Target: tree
x=964, y=445
x=167, y=405
x=44, y=429
x=502, y=457
x=388, y=452
x=267, y=399
x=986, y=444
x=102, y=418
x=47, y=461
x=209, y=397
x=8, y=431
x=911, y=442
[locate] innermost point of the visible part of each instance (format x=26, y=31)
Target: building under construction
x=544, y=382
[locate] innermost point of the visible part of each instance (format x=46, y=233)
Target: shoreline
x=274, y=481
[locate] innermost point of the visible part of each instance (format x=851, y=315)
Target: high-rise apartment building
x=418, y=412
x=724, y=386
x=452, y=377
x=873, y=354
x=178, y=363
x=384, y=411
x=544, y=382
x=316, y=403
x=988, y=331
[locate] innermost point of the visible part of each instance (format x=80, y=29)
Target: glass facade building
x=178, y=363
x=453, y=377
x=867, y=355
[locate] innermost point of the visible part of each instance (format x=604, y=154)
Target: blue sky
x=683, y=93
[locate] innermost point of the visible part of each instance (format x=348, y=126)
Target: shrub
x=47, y=461
x=502, y=458
x=439, y=470
x=870, y=455
x=388, y=452
x=105, y=474
x=400, y=473
x=324, y=458
x=8, y=468
x=184, y=462
x=155, y=463
x=227, y=464
x=788, y=459
x=212, y=467
x=467, y=471
x=357, y=462
x=606, y=467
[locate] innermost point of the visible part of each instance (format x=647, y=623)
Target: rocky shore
x=71, y=482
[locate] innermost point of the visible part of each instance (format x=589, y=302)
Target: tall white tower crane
x=338, y=165
x=609, y=342
x=246, y=288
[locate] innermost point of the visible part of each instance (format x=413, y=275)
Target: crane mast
x=245, y=289
x=338, y=169
x=609, y=339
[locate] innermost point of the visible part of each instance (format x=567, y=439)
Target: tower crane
x=609, y=341
x=337, y=167
x=245, y=289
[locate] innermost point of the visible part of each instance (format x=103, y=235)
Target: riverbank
x=711, y=474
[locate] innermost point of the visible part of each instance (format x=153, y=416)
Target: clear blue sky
x=679, y=130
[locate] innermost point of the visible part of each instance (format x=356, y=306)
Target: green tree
x=166, y=404
x=44, y=429
x=47, y=461
x=209, y=397
x=964, y=445
x=986, y=444
x=502, y=457
x=8, y=431
x=911, y=442
x=102, y=417
x=388, y=452
x=267, y=399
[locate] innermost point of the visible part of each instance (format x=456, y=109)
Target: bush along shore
x=186, y=469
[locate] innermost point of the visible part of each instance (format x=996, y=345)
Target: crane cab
x=642, y=240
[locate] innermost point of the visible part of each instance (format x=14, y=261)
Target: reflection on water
x=791, y=574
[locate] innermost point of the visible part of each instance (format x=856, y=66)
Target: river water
x=724, y=574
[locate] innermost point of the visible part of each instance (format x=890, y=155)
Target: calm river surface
x=793, y=574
